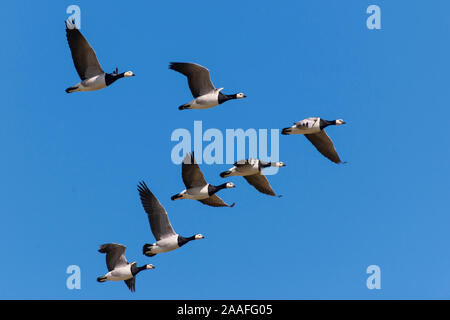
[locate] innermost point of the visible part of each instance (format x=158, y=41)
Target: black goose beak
x=224, y=174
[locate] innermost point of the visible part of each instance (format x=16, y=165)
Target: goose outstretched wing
x=260, y=182
x=324, y=145
x=198, y=77
x=115, y=255
x=83, y=56
x=157, y=215
x=215, y=201
x=191, y=173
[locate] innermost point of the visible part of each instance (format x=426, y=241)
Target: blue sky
x=71, y=163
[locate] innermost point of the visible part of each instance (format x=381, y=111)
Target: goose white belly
x=296, y=130
x=165, y=245
x=206, y=101
x=197, y=193
x=306, y=126
x=91, y=84
x=120, y=274
x=249, y=168
x=244, y=171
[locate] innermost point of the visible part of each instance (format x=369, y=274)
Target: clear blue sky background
x=70, y=163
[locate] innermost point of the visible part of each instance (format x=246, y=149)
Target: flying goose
x=118, y=267
x=85, y=60
x=204, y=93
x=251, y=170
x=166, y=238
x=196, y=186
x=313, y=129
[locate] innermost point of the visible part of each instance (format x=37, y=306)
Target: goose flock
x=205, y=96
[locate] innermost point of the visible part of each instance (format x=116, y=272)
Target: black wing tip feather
x=189, y=158
x=187, y=68
x=66, y=22
x=148, y=199
x=102, y=248
x=337, y=161
x=144, y=191
x=176, y=65
x=142, y=186
x=105, y=248
x=131, y=285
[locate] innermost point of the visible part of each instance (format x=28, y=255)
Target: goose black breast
x=182, y=241
x=323, y=123
x=223, y=98
x=110, y=78
x=212, y=190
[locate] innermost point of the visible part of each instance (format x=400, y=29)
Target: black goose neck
x=135, y=270
x=326, y=123
x=182, y=240
x=213, y=189
x=225, y=97
x=221, y=186
x=112, y=77
x=263, y=164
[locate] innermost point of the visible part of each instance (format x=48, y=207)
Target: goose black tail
x=286, y=131
x=175, y=197
x=146, y=248
x=71, y=89
x=183, y=107
x=224, y=174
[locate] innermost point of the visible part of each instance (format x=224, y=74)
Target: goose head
x=199, y=236
x=230, y=185
x=149, y=266
x=339, y=122
x=128, y=74
x=240, y=95
x=278, y=164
